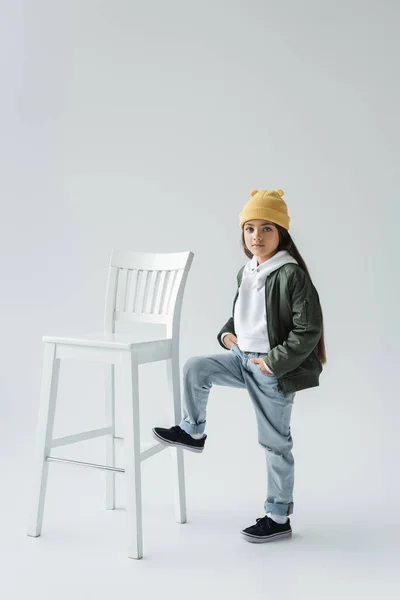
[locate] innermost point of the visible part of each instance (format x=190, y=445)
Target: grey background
x=144, y=126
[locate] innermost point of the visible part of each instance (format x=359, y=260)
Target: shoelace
x=176, y=429
x=262, y=521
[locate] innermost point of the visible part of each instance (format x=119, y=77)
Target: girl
x=276, y=348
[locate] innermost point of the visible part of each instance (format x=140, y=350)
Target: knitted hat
x=268, y=205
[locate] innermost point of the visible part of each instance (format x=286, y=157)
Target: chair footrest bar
x=154, y=449
x=84, y=464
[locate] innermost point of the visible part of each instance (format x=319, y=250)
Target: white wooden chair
x=145, y=288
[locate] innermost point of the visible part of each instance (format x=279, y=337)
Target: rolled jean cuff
x=191, y=428
x=278, y=508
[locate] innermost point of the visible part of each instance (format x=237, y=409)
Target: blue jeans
x=273, y=411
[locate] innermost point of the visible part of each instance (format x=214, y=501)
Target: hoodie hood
x=256, y=274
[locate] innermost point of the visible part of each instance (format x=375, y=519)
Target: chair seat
x=115, y=341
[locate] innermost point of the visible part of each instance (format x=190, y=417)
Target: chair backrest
x=146, y=287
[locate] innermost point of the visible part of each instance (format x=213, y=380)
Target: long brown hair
x=286, y=243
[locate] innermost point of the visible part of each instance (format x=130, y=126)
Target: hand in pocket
x=229, y=340
x=261, y=365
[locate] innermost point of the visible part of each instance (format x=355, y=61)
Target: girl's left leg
x=273, y=413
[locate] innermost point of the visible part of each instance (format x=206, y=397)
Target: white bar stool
x=144, y=288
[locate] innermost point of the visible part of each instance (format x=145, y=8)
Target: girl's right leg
x=199, y=375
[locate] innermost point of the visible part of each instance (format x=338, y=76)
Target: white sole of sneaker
x=270, y=538
x=177, y=444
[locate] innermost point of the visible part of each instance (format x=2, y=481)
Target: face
x=261, y=238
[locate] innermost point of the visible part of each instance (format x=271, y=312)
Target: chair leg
x=177, y=453
x=130, y=391
x=47, y=409
x=110, y=440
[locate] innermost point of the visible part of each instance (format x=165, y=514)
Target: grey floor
x=83, y=547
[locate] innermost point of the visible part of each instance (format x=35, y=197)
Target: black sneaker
x=175, y=436
x=266, y=530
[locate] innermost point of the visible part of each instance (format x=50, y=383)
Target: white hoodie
x=250, y=316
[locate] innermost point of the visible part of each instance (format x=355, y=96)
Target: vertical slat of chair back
x=145, y=287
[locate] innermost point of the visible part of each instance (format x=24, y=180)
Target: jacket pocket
x=304, y=311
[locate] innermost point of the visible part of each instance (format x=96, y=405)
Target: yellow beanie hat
x=268, y=205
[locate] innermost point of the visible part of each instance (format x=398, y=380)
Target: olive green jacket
x=294, y=322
